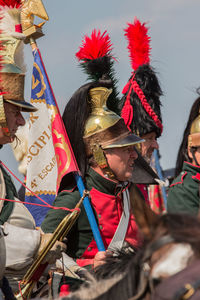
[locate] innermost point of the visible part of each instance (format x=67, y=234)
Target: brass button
x=100, y=226
x=89, y=248
x=99, y=216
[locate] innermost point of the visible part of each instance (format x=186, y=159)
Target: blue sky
x=175, y=41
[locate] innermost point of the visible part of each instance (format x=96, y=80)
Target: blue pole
x=158, y=168
x=90, y=213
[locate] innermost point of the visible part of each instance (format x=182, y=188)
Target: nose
x=154, y=144
x=20, y=120
x=134, y=154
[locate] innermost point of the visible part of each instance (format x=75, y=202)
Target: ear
x=189, y=153
x=144, y=216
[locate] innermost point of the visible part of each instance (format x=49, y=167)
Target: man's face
x=197, y=156
x=14, y=119
x=121, y=161
x=149, y=145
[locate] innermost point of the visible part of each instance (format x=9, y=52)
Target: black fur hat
x=140, y=105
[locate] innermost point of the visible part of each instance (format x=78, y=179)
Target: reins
x=145, y=268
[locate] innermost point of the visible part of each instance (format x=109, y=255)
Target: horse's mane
x=118, y=276
x=184, y=228
x=118, y=263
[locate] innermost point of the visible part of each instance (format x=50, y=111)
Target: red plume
x=98, y=45
x=10, y=3
x=139, y=43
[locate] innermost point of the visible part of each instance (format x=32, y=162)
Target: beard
x=148, y=155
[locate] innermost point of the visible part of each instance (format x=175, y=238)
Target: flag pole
x=77, y=176
x=159, y=171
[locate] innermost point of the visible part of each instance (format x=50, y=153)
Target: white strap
x=2, y=254
x=120, y=233
x=2, y=189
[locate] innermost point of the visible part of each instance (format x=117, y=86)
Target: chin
x=11, y=139
x=128, y=177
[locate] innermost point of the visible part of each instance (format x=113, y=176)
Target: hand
x=99, y=258
x=55, y=252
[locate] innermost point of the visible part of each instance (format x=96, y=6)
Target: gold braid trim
x=38, y=101
x=45, y=192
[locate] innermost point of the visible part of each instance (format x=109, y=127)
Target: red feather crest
x=10, y=3
x=96, y=46
x=139, y=43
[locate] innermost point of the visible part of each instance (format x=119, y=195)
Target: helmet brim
x=129, y=140
x=25, y=106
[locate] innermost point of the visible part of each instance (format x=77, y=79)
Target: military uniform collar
x=103, y=184
x=189, y=167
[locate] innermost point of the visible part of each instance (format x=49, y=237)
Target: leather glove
x=72, y=271
x=71, y=268
x=55, y=252
x=78, y=272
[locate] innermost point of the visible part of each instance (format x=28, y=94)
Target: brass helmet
x=194, y=136
x=11, y=57
x=104, y=129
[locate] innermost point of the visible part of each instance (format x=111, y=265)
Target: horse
x=170, y=248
